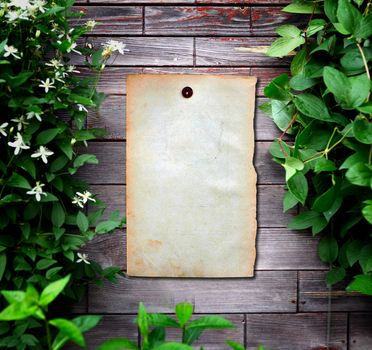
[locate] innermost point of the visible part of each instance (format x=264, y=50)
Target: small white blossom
x=82, y=108
x=111, y=46
x=47, y=84
x=85, y=196
x=42, y=153
x=72, y=48
x=90, y=24
x=37, y=191
x=54, y=63
x=39, y=4
x=11, y=50
x=20, y=122
x=57, y=76
x=78, y=201
x=82, y=258
x=2, y=129
x=18, y=144
x=22, y=4
x=31, y=115
x=71, y=69
x=12, y=16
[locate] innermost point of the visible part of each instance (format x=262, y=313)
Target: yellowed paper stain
x=191, y=184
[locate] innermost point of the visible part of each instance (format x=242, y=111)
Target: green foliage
x=326, y=107
x=44, y=223
x=153, y=328
x=28, y=306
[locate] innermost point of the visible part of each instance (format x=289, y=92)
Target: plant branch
x=284, y=132
x=364, y=61
x=49, y=339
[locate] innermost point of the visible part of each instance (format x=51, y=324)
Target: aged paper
x=191, y=184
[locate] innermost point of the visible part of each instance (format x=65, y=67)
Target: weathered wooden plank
x=111, y=20
x=111, y=116
x=296, y=331
x=266, y=19
x=269, y=209
x=111, y=167
x=360, y=337
x=277, y=249
x=313, y=295
x=197, y=20
x=265, y=76
x=235, y=52
x=243, y=2
x=142, y=1
x=214, y=339
x=268, y=291
x=111, y=326
x=142, y=51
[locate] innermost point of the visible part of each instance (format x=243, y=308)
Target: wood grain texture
x=235, y=52
x=265, y=20
x=112, y=117
x=142, y=51
x=296, y=331
x=197, y=20
x=111, y=326
x=126, y=2
x=242, y=2
x=111, y=20
x=360, y=337
x=277, y=249
x=313, y=295
x=111, y=167
x=269, y=198
x=268, y=291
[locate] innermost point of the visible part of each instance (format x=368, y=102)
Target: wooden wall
x=285, y=306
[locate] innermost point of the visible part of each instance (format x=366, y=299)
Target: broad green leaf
x=2, y=264
x=53, y=290
x=210, y=322
x=288, y=31
x=85, y=159
x=69, y=330
x=18, y=181
x=82, y=221
x=365, y=108
x=325, y=200
x=304, y=220
x=366, y=211
x=298, y=187
x=66, y=147
x=362, y=129
x=353, y=251
x=58, y=214
x=328, y=249
x=17, y=311
x=118, y=344
x=282, y=114
x=289, y=201
x=323, y=164
x=283, y=46
x=278, y=88
x=142, y=320
x=45, y=263
x=173, y=346
x=304, y=7
x=233, y=345
x=335, y=275
x=360, y=174
x=184, y=312
x=13, y=296
x=315, y=26
x=161, y=320
x=337, y=82
x=298, y=62
x=279, y=149
x=300, y=82
x=361, y=284
x=360, y=86
x=191, y=335
x=365, y=258
x=330, y=9
x=313, y=107
x=47, y=135
x=364, y=29
x=106, y=226
x=291, y=166
x=349, y=17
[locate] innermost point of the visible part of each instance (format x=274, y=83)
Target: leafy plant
x=29, y=310
x=152, y=328
x=44, y=222
x=325, y=106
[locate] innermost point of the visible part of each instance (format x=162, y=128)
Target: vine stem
x=370, y=155
x=364, y=61
x=280, y=139
x=49, y=340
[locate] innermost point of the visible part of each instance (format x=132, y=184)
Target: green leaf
x=306, y=220
x=184, y=312
x=69, y=330
x=18, y=80
x=85, y=159
x=142, y=320
x=288, y=31
x=312, y=106
x=304, y=7
x=328, y=249
x=234, y=345
x=291, y=166
x=107, y=226
x=353, y=251
x=17, y=311
x=361, y=284
x=300, y=82
x=45, y=263
x=66, y=147
x=278, y=88
x=362, y=129
x=366, y=211
x=298, y=63
x=298, y=187
x=47, y=135
x=364, y=29
x=289, y=201
x=335, y=275
x=315, y=26
x=13, y=296
x=282, y=113
x=82, y=222
x=205, y=322
x=365, y=258
x=323, y=164
x=2, y=264
x=18, y=181
x=173, y=346
x=53, y=290
x=283, y=46
x=118, y=344
x=330, y=9
x=348, y=16
x=325, y=200
x=360, y=174
x=336, y=82
x=161, y=320
x=58, y=215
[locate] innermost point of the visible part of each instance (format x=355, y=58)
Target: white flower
x=12, y=16
x=72, y=48
x=2, y=129
x=82, y=108
x=30, y=115
x=47, y=84
x=71, y=69
x=85, y=196
x=37, y=191
x=78, y=201
x=43, y=152
x=20, y=122
x=82, y=258
x=111, y=46
x=57, y=77
x=18, y=144
x=11, y=50
x=22, y=4
x=54, y=63
x=39, y=4
x=90, y=24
